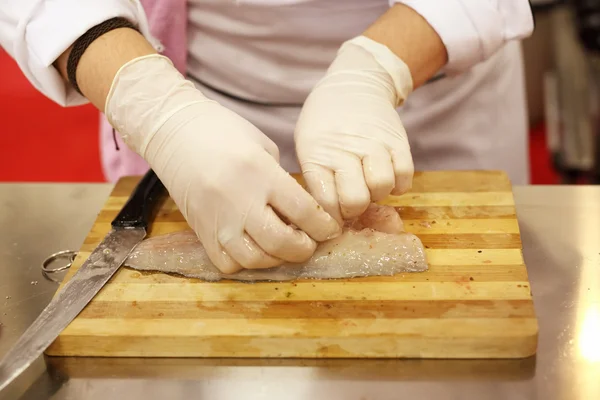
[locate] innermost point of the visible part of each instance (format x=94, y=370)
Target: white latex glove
x=350, y=141
x=220, y=170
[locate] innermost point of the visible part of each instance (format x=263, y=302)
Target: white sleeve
x=473, y=30
x=36, y=32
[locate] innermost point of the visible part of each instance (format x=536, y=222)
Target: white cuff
x=391, y=63
x=52, y=26
x=473, y=30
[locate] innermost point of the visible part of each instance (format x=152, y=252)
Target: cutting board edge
x=524, y=347
x=432, y=347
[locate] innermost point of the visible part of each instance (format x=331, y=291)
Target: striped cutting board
x=473, y=302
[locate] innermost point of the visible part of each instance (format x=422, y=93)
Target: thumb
x=272, y=149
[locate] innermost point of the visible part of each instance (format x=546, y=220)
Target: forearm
x=408, y=35
x=101, y=61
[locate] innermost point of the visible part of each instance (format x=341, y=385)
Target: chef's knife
x=128, y=229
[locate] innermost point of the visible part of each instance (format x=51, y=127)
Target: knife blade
x=128, y=230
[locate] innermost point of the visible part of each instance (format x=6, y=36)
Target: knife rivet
x=106, y=251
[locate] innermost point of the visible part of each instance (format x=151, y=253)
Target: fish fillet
x=373, y=244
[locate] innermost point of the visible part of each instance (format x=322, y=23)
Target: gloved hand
x=220, y=170
x=350, y=141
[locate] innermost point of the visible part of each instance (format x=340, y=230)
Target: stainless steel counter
x=560, y=227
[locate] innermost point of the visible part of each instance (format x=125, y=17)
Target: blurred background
x=41, y=141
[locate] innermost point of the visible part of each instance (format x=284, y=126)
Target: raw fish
x=373, y=244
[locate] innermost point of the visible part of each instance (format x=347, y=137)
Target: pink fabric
x=168, y=24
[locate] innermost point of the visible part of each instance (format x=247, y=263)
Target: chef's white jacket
x=261, y=57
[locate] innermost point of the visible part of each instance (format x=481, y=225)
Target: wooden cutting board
x=473, y=302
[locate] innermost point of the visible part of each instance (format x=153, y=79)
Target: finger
x=208, y=237
x=320, y=182
x=379, y=173
x=269, y=146
x=272, y=149
x=261, y=138
x=277, y=238
x=247, y=253
x=219, y=257
x=404, y=168
x=300, y=208
x=353, y=193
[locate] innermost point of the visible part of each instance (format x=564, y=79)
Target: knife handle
x=138, y=209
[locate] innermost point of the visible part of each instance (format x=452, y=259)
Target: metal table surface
x=560, y=228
